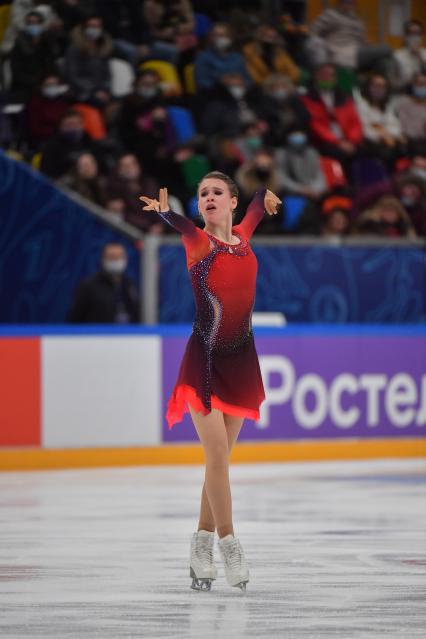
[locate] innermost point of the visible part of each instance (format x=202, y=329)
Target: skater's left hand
x=271, y=202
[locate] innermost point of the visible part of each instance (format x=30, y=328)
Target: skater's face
x=215, y=201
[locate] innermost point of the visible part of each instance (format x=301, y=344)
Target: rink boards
x=97, y=396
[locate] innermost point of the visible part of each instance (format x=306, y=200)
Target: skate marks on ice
x=334, y=549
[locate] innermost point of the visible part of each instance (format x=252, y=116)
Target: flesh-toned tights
x=217, y=432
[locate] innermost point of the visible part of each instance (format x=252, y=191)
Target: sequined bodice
x=224, y=288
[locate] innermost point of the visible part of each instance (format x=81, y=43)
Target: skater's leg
x=233, y=427
x=212, y=432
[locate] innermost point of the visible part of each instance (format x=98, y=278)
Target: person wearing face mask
x=219, y=59
x=109, y=296
x=48, y=103
x=410, y=60
x=388, y=218
x=412, y=110
x=230, y=108
x=136, y=111
x=86, y=64
x=300, y=166
x=32, y=56
x=266, y=55
x=18, y=13
x=260, y=172
x=383, y=136
x=335, y=126
x=279, y=108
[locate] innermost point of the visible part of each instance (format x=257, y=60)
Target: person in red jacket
x=335, y=125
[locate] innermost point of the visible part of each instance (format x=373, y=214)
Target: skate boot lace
x=204, y=550
x=233, y=555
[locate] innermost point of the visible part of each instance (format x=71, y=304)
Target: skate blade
x=241, y=585
x=200, y=583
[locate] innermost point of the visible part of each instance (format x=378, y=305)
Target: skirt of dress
x=228, y=379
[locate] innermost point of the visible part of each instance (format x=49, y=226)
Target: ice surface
x=334, y=550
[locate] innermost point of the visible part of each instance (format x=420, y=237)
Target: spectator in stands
x=383, y=137
x=412, y=110
x=72, y=12
x=418, y=165
x=335, y=219
x=249, y=141
x=135, y=117
x=412, y=189
x=218, y=59
x=261, y=172
x=62, y=149
x=86, y=64
x=279, y=109
x=387, y=218
x=266, y=55
x=127, y=181
x=409, y=188
x=117, y=206
x=335, y=125
x=32, y=56
x=339, y=36
x=86, y=180
x=230, y=108
x=18, y=14
x=46, y=107
x=109, y=296
x=300, y=167
x=410, y=60
x=171, y=21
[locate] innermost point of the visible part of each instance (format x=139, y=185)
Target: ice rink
x=334, y=550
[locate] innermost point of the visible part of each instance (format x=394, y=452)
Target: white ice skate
x=236, y=569
x=202, y=569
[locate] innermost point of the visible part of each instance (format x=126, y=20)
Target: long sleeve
x=195, y=241
x=253, y=215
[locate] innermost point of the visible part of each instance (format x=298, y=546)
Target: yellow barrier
x=12, y=459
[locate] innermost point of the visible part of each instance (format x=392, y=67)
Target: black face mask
x=72, y=136
x=262, y=172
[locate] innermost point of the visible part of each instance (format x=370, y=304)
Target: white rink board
x=101, y=391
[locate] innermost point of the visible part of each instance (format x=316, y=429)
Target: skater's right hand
x=161, y=206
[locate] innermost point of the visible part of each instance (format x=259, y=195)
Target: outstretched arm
x=196, y=242
x=263, y=200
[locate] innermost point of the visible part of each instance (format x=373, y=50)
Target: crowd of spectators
x=114, y=99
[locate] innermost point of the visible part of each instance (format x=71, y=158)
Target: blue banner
x=317, y=284
x=48, y=243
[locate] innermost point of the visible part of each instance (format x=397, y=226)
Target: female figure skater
x=219, y=380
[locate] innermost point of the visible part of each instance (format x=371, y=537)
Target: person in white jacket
x=383, y=137
x=410, y=60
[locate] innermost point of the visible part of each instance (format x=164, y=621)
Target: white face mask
x=114, y=267
x=280, y=94
x=93, y=33
x=419, y=171
x=413, y=41
x=146, y=92
x=54, y=90
x=222, y=43
x=237, y=92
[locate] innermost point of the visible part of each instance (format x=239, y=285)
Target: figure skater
x=219, y=381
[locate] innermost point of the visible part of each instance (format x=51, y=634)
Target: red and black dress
x=220, y=368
